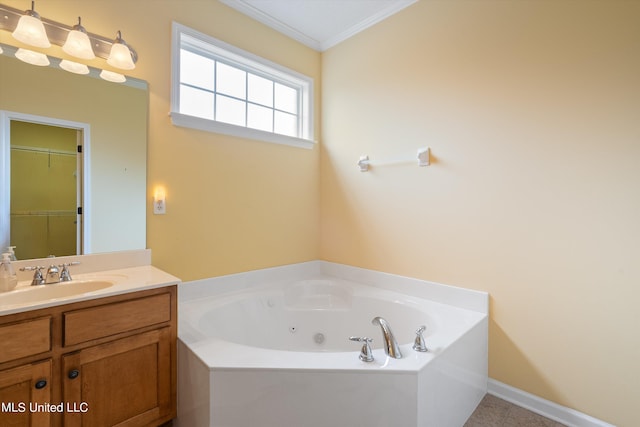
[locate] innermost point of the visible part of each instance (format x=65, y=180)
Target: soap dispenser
x=12, y=253
x=8, y=278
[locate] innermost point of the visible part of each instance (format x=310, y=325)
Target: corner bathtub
x=278, y=354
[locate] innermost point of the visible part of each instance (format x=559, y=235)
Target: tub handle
x=419, y=344
x=366, y=355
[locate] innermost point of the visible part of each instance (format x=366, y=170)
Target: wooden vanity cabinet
x=109, y=362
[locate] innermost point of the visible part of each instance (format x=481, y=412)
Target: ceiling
x=319, y=24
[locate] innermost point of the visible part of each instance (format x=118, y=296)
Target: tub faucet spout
x=391, y=347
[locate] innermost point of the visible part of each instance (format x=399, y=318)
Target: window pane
x=196, y=70
x=194, y=102
x=286, y=99
x=260, y=118
x=231, y=81
x=260, y=90
x=286, y=124
x=229, y=110
x=234, y=92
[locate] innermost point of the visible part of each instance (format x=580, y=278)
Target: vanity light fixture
x=30, y=29
x=33, y=58
x=78, y=43
x=120, y=55
x=74, y=67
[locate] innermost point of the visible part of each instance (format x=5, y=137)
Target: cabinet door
x=122, y=383
x=22, y=389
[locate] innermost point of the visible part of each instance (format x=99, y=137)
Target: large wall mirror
x=43, y=181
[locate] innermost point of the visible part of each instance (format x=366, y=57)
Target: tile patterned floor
x=495, y=412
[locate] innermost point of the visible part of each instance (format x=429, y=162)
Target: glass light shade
x=120, y=57
x=78, y=44
x=112, y=77
x=30, y=30
x=31, y=57
x=74, y=67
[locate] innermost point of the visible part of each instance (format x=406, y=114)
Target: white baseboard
x=546, y=408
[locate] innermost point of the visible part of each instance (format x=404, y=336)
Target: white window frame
x=220, y=50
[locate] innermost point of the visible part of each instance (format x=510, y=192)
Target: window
x=220, y=88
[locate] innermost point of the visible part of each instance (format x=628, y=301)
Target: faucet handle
x=32, y=268
x=419, y=344
x=68, y=264
x=38, y=279
x=65, y=276
x=366, y=355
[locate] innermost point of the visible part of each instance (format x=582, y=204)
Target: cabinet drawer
x=24, y=339
x=111, y=319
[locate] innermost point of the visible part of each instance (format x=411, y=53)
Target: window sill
x=192, y=122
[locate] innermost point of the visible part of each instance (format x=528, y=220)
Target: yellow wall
x=232, y=204
x=532, y=114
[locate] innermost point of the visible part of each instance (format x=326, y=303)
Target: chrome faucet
x=391, y=347
x=53, y=275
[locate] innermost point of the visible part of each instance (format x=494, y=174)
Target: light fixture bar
x=58, y=32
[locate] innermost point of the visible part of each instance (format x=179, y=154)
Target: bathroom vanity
x=100, y=358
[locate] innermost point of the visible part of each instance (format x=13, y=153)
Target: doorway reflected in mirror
x=45, y=179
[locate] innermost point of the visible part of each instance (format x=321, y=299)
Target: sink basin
x=45, y=293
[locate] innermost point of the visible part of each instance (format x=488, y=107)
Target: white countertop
x=112, y=282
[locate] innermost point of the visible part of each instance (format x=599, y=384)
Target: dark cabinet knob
x=40, y=384
x=73, y=374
